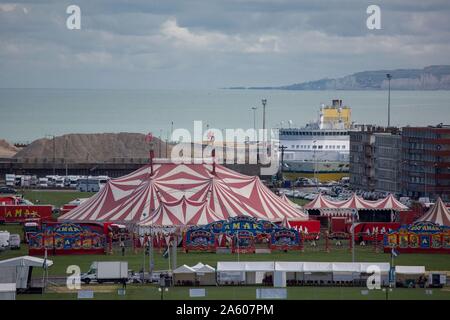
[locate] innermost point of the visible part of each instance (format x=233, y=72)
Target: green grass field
x=136, y=260
x=56, y=198
x=150, y=292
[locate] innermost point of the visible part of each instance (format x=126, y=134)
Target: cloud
x=174, y=43
x=7, y=7
x=216, y=41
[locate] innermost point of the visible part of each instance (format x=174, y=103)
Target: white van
x=73, y=180
x=4, y=240
x=43, y=182
x=102, y=180
x=14, y=241
x=59, y=182
x=10, y=180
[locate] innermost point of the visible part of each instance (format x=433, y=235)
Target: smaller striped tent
x=438, y=214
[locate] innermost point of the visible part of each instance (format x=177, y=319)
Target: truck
x=106, y=271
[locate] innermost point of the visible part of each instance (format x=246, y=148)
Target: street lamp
x=314, y=159
x=54, y=151
x=389, y=77
x=254, y=121
x=264, y=102
x=162, y=285
x=354, y=213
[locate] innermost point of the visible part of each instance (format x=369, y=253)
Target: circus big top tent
x=174, y=194
x=438, y=214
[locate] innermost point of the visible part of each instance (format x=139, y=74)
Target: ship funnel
x=337, y=103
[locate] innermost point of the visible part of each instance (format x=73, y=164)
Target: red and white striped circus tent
x=285, y=198
x=356, y=202
x=389, y=203
x=320, y=202
x=329, y=207
x=138, y=196
x=438, y=214
x=181, y=212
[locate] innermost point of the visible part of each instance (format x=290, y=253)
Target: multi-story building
x=426, y=161
x=388, y=162
x=363, y=157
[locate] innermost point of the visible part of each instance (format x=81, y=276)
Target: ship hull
x=323, y=171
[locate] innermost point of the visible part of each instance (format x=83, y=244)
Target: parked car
x=7, y=190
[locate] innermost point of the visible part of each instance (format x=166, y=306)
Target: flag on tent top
x=149, y=137
x=166, y=253
x=394, y=252
x=44, y=265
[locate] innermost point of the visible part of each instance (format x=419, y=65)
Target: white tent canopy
x=198, y=266
x=183, y=269
x=409, y=269
x=298, y=266
x=205, y=269
x=289, y=266
x=230, y=266
x=25, y=261
x=346, y=267
x=317, y=267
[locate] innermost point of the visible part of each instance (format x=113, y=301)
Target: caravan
x=43, y=182
x=10, y=180
x=59, y=182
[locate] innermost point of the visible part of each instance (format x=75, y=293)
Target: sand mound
x=7, y=150
x=92, y=148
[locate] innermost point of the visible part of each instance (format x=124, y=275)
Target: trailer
x=106, y=271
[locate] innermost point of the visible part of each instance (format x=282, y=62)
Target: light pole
x=254, y=121
x=54, y=151
x=353, y=234
x=389, y=77
x=314, y=159
x=264, y=102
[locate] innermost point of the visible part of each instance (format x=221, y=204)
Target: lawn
x=151, y=292
x=300, y=202
x=56, y=198
x=136, y=261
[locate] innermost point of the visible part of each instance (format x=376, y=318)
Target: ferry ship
x=321, y=149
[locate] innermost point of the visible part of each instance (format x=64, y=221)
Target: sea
x=29, y=114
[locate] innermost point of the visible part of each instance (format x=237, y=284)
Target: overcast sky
x=210, y=44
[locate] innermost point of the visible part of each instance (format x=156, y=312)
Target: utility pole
x=167, y=143
x=353, y=234
x=160, y=143
x=282, y=159
x=65, y=156
x=389, y=77
x=264, y=102
x=254, y=121
x=314, y=157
